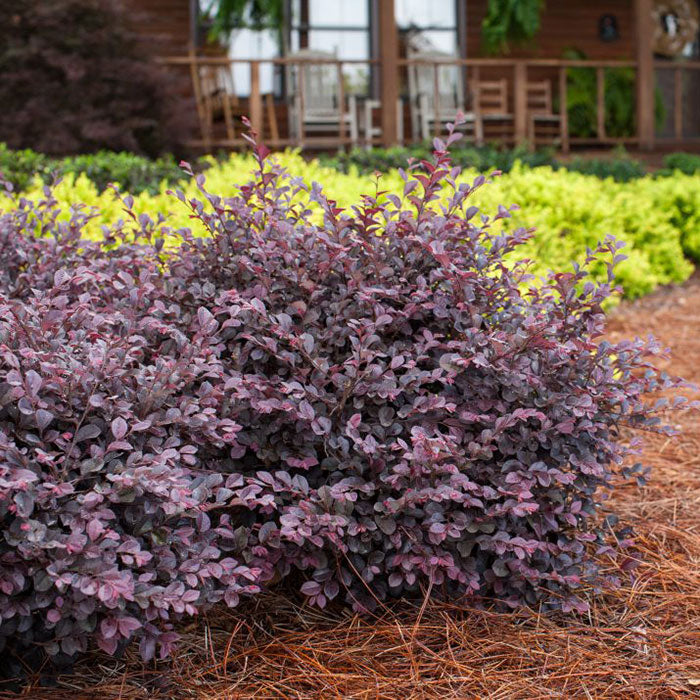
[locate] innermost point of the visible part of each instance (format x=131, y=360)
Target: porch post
x=388, y=71
x=520, y=102
x=645, y=74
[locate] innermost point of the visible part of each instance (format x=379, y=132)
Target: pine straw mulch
x=642, y=641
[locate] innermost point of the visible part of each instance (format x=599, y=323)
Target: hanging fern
x=228, y=15
x=620, y=100
x=510, y=20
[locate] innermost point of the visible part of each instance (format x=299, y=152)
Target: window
x=336, y=27
x=343, y=29
x=429, y=26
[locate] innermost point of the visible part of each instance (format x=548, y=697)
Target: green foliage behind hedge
x=482, y=158
x=138, y=174
x=620, y=166
x=688, y=163
x=131, y=172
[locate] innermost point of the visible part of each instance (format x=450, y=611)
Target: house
x=596, y=73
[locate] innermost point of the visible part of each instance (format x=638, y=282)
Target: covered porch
x=398, y=93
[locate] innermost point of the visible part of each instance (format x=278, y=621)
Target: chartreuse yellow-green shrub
x=659, y=219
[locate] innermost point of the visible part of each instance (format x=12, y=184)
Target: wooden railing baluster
x=563, y=110
x=436, y=99
x=600, y=102
x=256, y=106
x=678, y=102
x=341, y=102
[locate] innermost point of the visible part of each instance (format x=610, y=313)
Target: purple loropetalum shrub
x=112, y=422
x=378, y=401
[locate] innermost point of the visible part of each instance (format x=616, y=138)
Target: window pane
x=339, y=13
x=345, y=44
x=426, y=13
x=333, y=13
x=350, y=41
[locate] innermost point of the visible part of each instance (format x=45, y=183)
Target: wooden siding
x=163, y=30
x=566, y=24
x=163, y=25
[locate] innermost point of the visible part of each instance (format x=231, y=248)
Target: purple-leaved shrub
x=377, y=402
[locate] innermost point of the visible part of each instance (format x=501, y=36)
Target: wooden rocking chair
x=319, y=103
x=217, y=99
x=432, y=80
x=539, y=110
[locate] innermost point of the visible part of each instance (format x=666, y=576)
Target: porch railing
x=266, y=113
x=521, y=71
x=259, y=107
x=686, y=85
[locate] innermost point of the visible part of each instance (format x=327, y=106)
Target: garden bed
x=643, y=641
